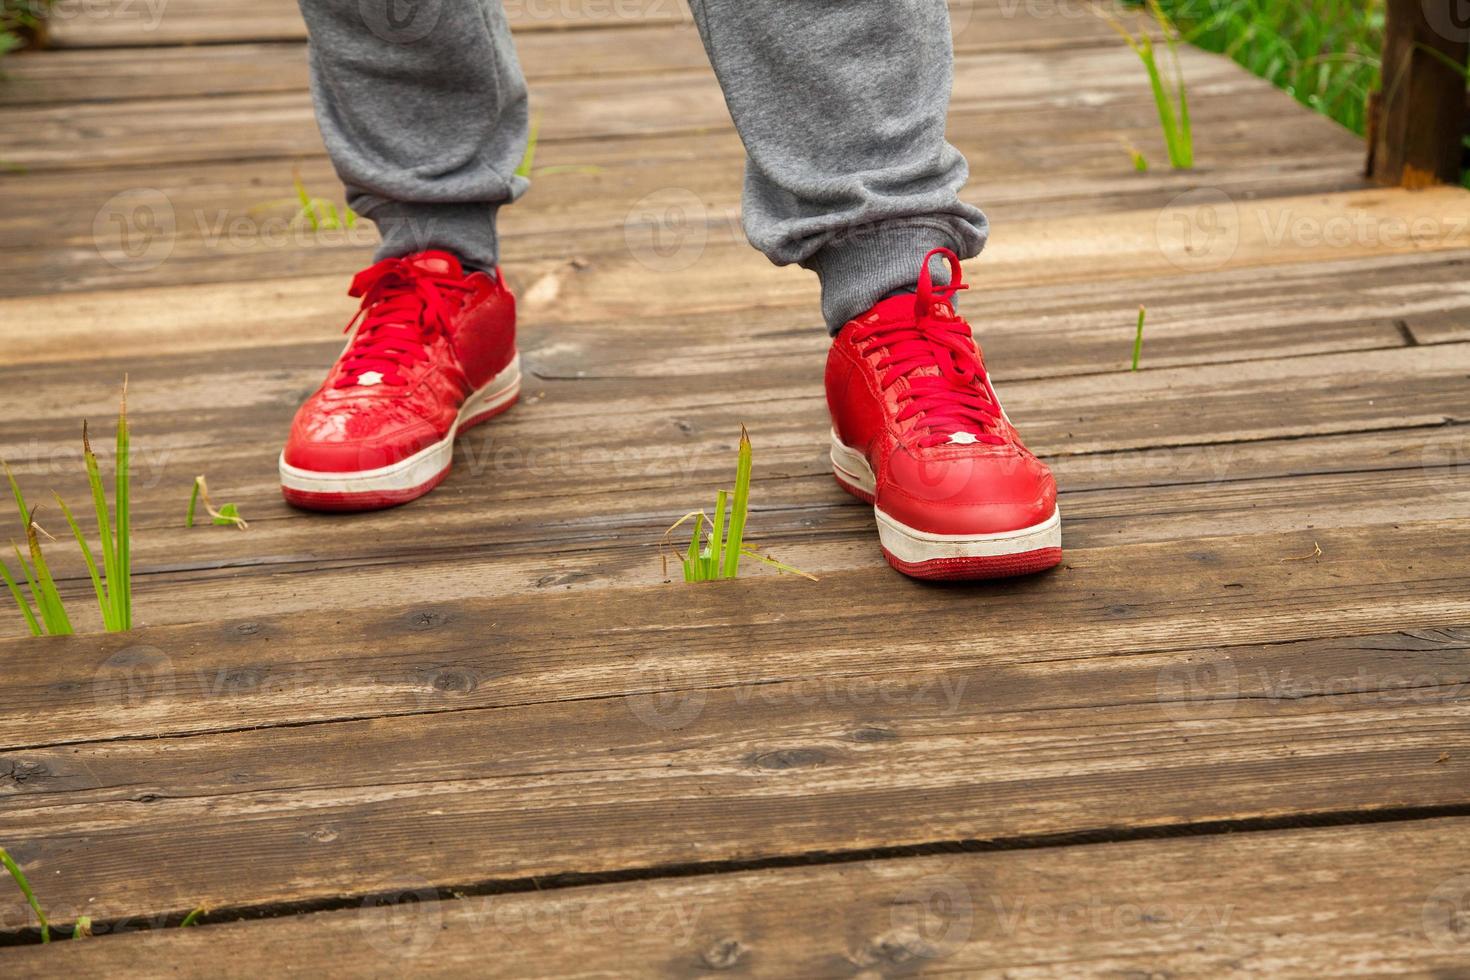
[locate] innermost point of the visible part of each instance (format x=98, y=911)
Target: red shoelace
x=935, y=354
x=404, y=307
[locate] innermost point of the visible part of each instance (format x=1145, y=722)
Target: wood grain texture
x=726, y=763
x=625, y=280
x=260, y=125
x=1261, y=623
x=396, y=656
x=1350, y=901
x=80, y=74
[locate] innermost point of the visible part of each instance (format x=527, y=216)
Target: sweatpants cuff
x=464, y=230
x=861, y=267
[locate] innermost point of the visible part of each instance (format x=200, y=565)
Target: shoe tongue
x=437, y=264
x=904, y=305
x=894, y=307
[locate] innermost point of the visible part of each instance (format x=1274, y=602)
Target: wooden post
x=1417, y=119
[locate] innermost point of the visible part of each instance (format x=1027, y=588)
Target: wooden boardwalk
x=482, y=734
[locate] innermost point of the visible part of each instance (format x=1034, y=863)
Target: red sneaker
x=433, y=354
x=918, y=432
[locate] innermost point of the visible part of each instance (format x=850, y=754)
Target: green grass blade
x=104, y=526
x=48, y=600
x=717, y=534
x=779, y=565
x=20, y=500
x=122, y=593
x=25, y=889
x=192, y=918
x=20, y=600
x=1138, y=339
x=738, y=507
x=308, y=204
x=97, y=587
x=529, y=158
x=693, y=568
x=193, y=502
x=83, y=928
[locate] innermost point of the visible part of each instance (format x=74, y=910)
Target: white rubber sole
x=912, y=546
x=422, y=467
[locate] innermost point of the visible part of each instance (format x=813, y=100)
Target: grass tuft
x=25, y=889
x=1325, y=53
x=716, y=553
x=112, y=584
x=1138, y=339
x=226, y=516
x=1171, y=96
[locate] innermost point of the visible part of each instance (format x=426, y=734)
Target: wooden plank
x=1197, y=318
x=233, y=221
x=738, y=764
x=113, y=75
x=627, y=282
x=977, y=24
x=155, y=23
x=602, y=495
x=608, y=482
x=1343, y=901
x=96, y=136
x=259, y=667
x=1418, y=116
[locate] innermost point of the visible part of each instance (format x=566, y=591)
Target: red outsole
x=997, y=566
x=340, y=503
x=958, y=569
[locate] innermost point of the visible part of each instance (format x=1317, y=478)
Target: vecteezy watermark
x=148, y=466
x=1109, y=917
x=582, y=11
x=136, y=229
x=931, y=918
x=667, y=231
x=1450, y=21
x=1055, y=9
x=149, y=13
x=133, y=677
x=1199, y=230
x=1213, y=689
x=675, y=699
x=406, y=923
x=1202, y=229
x=485, y=454
x=139, y=229
x=1199, y=691
x=678, y=695
x=403, y=923
x=1446, y=916
x=401, y=21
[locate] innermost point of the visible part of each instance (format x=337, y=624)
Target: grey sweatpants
x=841, y=105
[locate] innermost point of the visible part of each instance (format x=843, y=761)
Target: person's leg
x=422, y=107
x=842, y=107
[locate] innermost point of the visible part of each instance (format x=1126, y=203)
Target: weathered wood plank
x=1417, y=124
x=617, y=484
x=602, y=495
x=260, y=668
x=1341, y=902
x=227, y=221
x=253, y=126
x=977, y=24
x=111, y=75
x=627, y=282
x=738, y=764
x=156, y=23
